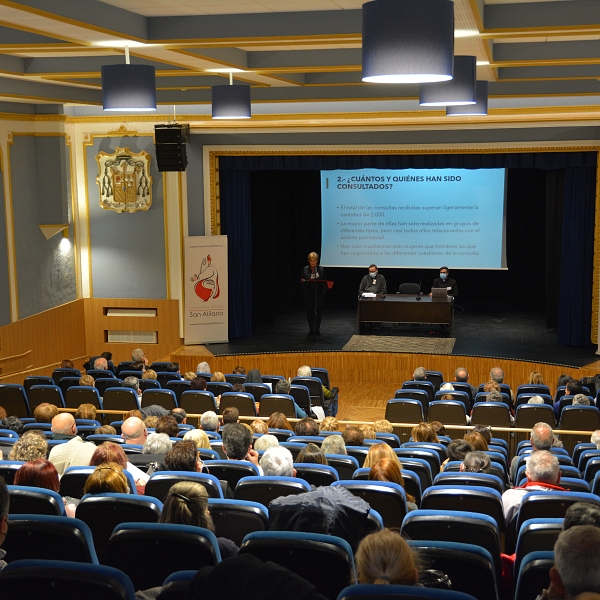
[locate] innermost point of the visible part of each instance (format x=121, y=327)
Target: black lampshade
x=479, y=108
x=460, y=90
x=231, y=102
x=407, y=41
x=128, y=87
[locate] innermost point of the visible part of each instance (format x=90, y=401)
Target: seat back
x=580, y=418
x=164, y=398
x=456, y=526
x=449, y=412
x=272, y=403
x=148, y=384
x=160, y=483
x=300, y=552
x=197, y=401
x=100, y=373
x=25, y=500
x=315, y=389
x=413, y=394
x=264, y=488
x=391, y=439
x=219, y=388
x=235, y=519
x=535, y=389
x=58, y=374
x=470, y=568
x=104, y=383
x=388, y=499
x=527, y=415
x=281, y=434
x=470, y=498
x=579, y=449
x=301, y=395
x=103, y=512
x=149, y=552
x=178, y=387
x=409, y=288
x=73, y=481
x=435, y=377
x=344, y=465
x=82, y=394
x=316, y=475
x=405, y=410
x=440, y=449
x=67, y=382
x=461, y=478
x=234, y=378
x=65, y=580
x=29, y=382
x=39, y=394
x=494, y=414
x=524, y=399
x=243, y=401
x=124, y=399
x=163, y=377
x=419, y=466
x=429, y=454
x=49, y=537
x=425, y=386
x=257, y=390
x=536, y=535
x=13, y=399
x=532, y=575
x=8, y=470
x=371, y=591
x=232, y=470
x=322, y=374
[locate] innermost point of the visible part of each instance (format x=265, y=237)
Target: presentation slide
x=413, y=218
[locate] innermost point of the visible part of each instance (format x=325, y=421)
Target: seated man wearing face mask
x=373, y=282
x=443, y=281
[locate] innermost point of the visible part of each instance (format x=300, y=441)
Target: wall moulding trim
x=215, y=152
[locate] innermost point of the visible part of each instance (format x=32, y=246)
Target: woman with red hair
x=43, y=474
x=389, y=470
x=112, y=452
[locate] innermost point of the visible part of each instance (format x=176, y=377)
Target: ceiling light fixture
x=231, y=101
x=479, y=108
x=407, y=41
x=461, y=90
x=127, y=87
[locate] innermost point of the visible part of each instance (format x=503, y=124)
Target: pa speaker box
x=171, y=153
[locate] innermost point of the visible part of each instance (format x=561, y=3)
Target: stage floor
x=520, y=335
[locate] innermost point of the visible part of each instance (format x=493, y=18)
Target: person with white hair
x=595, y=439
x=209, y=421
x=138, y=355
x=535, y=400
x=331, y=408
x=203, y=367
x=157, y=443
x=278, y=461
x=264, y=442
x=333, y=444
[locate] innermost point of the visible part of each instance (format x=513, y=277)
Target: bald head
x=64, y=424
x=133, y=431
x=101, y=364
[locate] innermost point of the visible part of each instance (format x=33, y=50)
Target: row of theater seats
x=121, y=530
x=108, y=394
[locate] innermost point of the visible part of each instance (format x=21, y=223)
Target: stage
x=518, y=335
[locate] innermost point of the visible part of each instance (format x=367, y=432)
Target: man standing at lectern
x=373, y=282
x=443, y=281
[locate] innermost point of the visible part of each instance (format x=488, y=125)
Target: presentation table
x=405, y=308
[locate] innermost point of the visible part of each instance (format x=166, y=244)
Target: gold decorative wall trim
x=215, y=195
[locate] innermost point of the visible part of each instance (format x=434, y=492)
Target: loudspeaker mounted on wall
x=170, y=140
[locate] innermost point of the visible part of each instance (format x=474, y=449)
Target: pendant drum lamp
x=407, y=41
x=459, y=91
x=479, y=108
x=128, y=87
x=231, y=101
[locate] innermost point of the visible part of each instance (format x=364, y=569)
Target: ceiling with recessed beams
x=542, y=58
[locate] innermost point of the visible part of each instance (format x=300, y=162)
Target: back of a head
x=203, y=367
x=230, y=415
x=382, y=426
x=458, y=449
x=45, y=412
x=283, y=386
x=577, y=560
x=253, y=376
x=157, y=443
x=29, y=447
x=209, y=421
x=150, y=374
x=86, y=411
x=109, y=452
x=38, y=473
x=198, y=384
x=574, y=387
x=239, y=370
x=107, y=477
x=131, y=382
x=199, y=437
x=497, y=374
x=183, y=456
x=461, y=374
x=307, y=426
x=542, y=466
x=541, y=436
x=168, y=425
x=333, y=444
x=304, y=371
x=311, y=453
x=259, y=426
x=477, y=462
x=595, y=438
x=186, y=504
x=485, y=431
x=477, y=441
x=387, y=469
x=63, y=424
x=423, y=433
x=132, y=429
x=137, y=355
x=265, y=442
x=353, y=436
x=581, y=400
x=494, y=396
x=581, y=513
x=535, y=378
x=385, y=558
x=535, y=400
x=237, y=440
x=179, y=414
x=377, y=452
x=420, y=374
x=277, y=461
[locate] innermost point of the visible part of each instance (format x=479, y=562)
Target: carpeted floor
x=412, y=345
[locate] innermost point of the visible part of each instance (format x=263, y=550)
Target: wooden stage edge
x=367, y=380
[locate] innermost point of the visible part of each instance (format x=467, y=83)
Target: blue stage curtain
x=577, y=242
x=236, y=225
x=577, y=257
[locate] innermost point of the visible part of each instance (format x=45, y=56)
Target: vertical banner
x=205, y=277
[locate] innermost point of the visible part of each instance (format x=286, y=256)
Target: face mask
x=373, y=275
x=443, y=276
